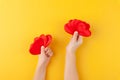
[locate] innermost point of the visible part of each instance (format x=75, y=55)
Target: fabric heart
x=43, y=40
x=78, y=25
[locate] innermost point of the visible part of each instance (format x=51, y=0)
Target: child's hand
x=74, y=43
x=45, y=56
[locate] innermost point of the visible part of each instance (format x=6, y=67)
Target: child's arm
x=70, y=64
x=43, y=61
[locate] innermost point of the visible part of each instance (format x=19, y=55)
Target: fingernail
x=42, y=46
x=76, y=32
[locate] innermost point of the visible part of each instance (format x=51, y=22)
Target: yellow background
x=22, y=20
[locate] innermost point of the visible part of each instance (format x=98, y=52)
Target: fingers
x=48, y=52
x=75, y=36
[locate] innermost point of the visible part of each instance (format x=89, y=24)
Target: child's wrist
x=70, y=55
x=41, y=64
x=70, y=51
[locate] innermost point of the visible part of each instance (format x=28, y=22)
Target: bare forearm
x=44, y=57
x=70, y=67
x=40, y=72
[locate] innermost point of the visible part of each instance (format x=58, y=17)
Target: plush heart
x=43, y=40
x=78, y=25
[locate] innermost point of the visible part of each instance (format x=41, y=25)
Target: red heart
x=78, y=25
x=43, y=40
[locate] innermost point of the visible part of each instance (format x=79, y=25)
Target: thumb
x=42, y=49
x=75, y=36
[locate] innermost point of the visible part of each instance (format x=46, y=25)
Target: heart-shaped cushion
x=78, y=25
x=42, y=40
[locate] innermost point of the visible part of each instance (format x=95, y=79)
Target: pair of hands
x=74, y=43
